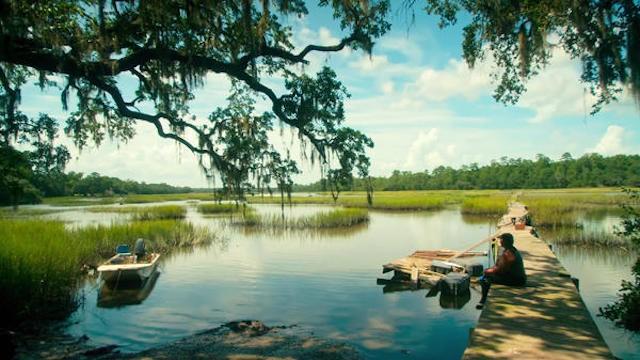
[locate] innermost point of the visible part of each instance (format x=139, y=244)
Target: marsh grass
x=385, y=200
x=573, y=236
x=7, y=213
x=485, y=205
x=41, y=260
x=126, y=199
x=342, y=217
x=226, y=208
x=145, y=213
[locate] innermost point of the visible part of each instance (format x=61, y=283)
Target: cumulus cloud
x=425, y=151
x=556, y=91
x=456, y=79
x=402, y=45
x=387, y=87
x=611, y=141
x=371, y=63
x=146, y=157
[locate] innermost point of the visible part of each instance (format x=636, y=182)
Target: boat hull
x=135, y=273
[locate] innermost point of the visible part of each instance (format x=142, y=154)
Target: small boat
x=125, y=267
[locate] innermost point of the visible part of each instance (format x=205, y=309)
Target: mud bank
x=235, y=340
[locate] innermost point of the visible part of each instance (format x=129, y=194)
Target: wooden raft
x=418, y=264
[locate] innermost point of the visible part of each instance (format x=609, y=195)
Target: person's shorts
x=502, y=280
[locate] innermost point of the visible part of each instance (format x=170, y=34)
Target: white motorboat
x=125, y=267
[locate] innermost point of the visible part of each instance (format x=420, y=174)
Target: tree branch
x=270, y=51
x=124, y=110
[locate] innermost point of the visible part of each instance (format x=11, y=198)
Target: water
x=325, y=282
x=600, y=271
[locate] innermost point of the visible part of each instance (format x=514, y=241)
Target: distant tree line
x=24, y=178
x=590, y=170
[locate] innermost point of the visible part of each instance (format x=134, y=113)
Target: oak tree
x=90, y=49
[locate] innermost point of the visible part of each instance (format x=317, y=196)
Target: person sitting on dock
x=509, y=269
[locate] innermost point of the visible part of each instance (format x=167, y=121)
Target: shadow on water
x=124, y=294
x=447, y=301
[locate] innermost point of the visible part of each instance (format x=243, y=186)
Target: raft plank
x=547, y=319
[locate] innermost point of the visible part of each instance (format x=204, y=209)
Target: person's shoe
x=480, y=305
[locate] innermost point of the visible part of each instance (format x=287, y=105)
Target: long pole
x=473, y=246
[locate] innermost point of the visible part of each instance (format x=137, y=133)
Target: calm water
x=600, y=271
x=324, y=282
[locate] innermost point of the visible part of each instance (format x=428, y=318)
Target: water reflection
x=319, y=280
x=600, y=270
x=446, y=301
x=308, y=234
x=322, y=281
x=119, y=295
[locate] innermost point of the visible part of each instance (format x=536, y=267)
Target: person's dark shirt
x=509, y=267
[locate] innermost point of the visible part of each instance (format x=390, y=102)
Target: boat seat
x=123, y=249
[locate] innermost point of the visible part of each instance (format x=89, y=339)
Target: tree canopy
x=520, y=35
x=542, y=173
x=88, y=48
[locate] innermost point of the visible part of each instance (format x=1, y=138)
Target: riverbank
x=249, y=339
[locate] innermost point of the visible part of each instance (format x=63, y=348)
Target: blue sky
x=414, y=96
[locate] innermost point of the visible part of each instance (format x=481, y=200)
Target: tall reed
x=160, y=212
x=485, y=205
x=210, y=208
x=343, y=217
x=41, y=260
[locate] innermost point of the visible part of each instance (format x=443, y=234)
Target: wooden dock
x=546, y=319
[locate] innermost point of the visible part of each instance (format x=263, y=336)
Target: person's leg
x=485, y=283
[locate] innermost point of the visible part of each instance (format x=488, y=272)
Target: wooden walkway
x=544, y=320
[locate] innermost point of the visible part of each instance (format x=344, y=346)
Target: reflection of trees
x=609, y=256
x=592, y=236
x=479, y=219
x=302, y=234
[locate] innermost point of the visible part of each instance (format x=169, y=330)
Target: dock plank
x=546, y=319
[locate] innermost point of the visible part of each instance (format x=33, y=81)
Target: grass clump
x=41, y=261
x=485, y=205
x=577, y=236
x=25, y=212
x=161, y=212
x=343, y=217
x=218, y=208
x=36, y=270
x=124, y=199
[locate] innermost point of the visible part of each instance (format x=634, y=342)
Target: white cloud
x=456, y=79
x=147, y=157
x=557, y=90
x=371, y=63
x=423, y=152
x=387, y=87
x=402, y=45
x=611, y=141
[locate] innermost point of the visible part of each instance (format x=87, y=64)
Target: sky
x=414, y=96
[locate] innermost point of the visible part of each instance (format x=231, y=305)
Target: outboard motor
x=139, y=249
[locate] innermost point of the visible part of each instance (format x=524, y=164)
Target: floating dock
x=418, y=266
x=546, y=319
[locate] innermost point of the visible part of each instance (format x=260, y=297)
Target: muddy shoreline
x=249, y=339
